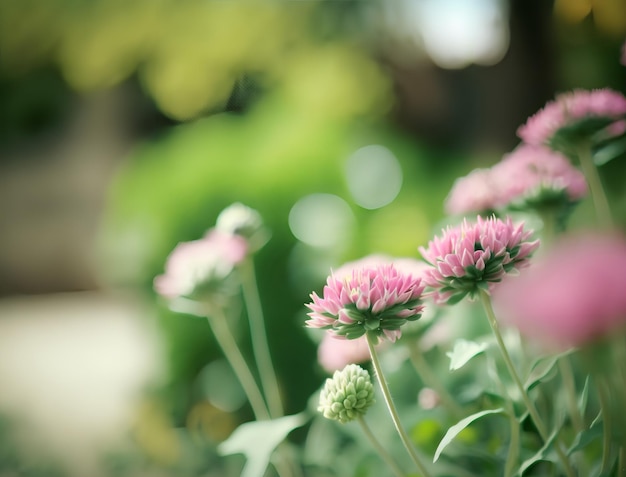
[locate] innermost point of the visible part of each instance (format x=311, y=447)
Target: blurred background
x=127, y=126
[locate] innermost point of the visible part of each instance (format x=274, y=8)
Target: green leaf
x=459, y=426
x=464, y=351
x=584, y=397
x=586, y=437
x=610, y=151
x=542, y=454
x=541, y=370
x=257, y=441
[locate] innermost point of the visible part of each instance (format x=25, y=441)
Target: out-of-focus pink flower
x=378, y=300
x=473, y=256
x=335, y=352
x=567, y=109
x=239, y=219
x=405, y=265
x=199, y=264
x=428, y=398
x=573, y=296
x=531, y=173
x=476, y=192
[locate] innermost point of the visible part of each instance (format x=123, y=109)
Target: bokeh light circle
x=321, y=220
x=374, y=176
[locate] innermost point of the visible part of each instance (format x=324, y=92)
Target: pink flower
x=476, y=192
x=405, y=265
x=374, y=299
x=569, y=108
x=335, y=353
x=194, y=267
x=534, y=175
x=574, y=296
x=474, y=256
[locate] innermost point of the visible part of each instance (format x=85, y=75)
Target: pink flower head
x=572, y=297
x=335, y=352
x=536, y=176
x=568, y=109
x=476, y=192
x=470, y=257
x=196, y=267
x=377, y=300
x=404, y=265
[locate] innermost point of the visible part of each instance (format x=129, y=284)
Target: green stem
x=227, y=342
x=511, y=458
x=567, y=375
x=621, y=469
x=406, y=441
x=380, y=449
x=431, y=380
x=260, y=346
x=600, y=201
x=532, y=410
x=606, y=424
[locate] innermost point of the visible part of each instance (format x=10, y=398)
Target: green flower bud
x=239, y=219
x=347, y=395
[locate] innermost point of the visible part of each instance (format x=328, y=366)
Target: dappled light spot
x=374, y=176
x=456, y=34
x=321, y=220
x=220, y=386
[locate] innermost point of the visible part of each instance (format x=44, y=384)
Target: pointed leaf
x=584, y=438
x=541, y=370
x=612, y=150
x=459, y=426
x=542, y=454
x=584, y=397
x=463, y=351
x=257, y=441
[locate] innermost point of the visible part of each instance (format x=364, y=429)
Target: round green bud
x=347, y=395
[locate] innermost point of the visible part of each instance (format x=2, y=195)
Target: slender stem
x=600, y=201
x=511, y=458
x=380, y=449
x=406, y=441
x=431, y=380
x=621, y=464
x=567, y=375
x=227, y=342
x=532, y=410
x=258, y=334
x=284, y=462
x=606, y=424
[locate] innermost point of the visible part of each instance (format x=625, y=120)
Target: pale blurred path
x=72, y=370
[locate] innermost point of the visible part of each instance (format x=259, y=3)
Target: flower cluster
x=535, y=176
x=529, y=177
x=571, y=297
x=569, y=110
x=200, y=269
x=476, y=192
x=347, y=395
x=197, y=269
x=377, y=300
x=475, y=255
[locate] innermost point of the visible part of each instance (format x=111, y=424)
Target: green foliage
x=460, y=426
x=463, y=352
x=258, y=440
